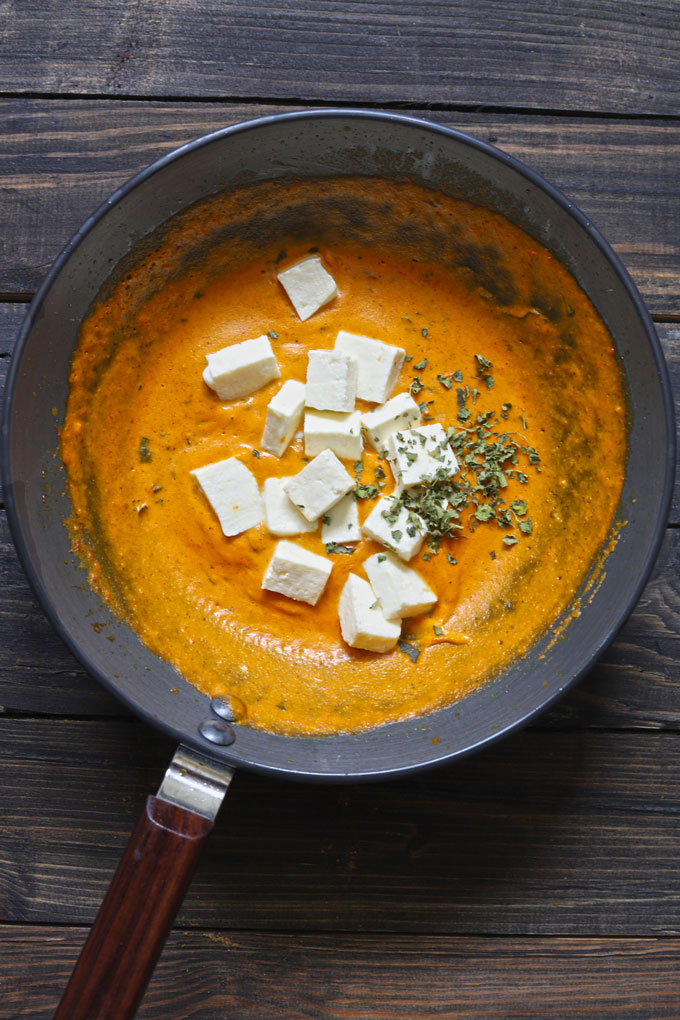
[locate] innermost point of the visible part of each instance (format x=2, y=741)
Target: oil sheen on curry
x=501, y=350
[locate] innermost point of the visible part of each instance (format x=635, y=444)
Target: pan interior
x=41, y=507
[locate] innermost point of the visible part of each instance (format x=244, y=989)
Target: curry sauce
x=140, y=418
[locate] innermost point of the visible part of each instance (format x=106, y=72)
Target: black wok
x=302, y=146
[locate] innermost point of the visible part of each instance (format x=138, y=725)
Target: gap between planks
x=300, y=104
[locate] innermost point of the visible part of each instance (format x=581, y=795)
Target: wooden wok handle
x=135, y=918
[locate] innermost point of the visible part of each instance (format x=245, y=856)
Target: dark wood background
x=541, y=879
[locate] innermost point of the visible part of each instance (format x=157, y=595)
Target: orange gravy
x=140, y=418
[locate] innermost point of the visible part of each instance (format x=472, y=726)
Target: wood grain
x=608, y=57
x=211, y=975
x=11, y=317
x=546, y=833
x=539, y=880
x=136, y=916
x=37, y=671
x=61, y=159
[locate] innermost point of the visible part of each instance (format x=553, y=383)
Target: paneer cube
x=401, y=591
x=400, y=412
x=341, y=523
x=284, y=412
x=233, y=493
x=401, y=530
x=333, y=430
x=320, y=485
x=420, y=455
x=280, y=516
x=308, y=285
x=362, y=623
x=331, y=381
x=297, y=573
x=379, y=364
x=241, y=369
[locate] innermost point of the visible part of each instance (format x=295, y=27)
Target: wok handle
x=134, y=920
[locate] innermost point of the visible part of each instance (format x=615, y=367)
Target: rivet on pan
x=216, y=731
x=230, y=708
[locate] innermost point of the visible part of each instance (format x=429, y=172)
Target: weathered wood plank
x=212, y=974
x=63, y=158
x=427, y=52
x=11, y=316
x=634, y=684
x=548, y=833
x=37, y=671
x=119, y=743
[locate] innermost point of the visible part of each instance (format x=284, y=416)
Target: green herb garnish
x=144, y=452
x=519, y=507
x=485, y=512
x=335, y=547
x=409, y=650
x=366, y=491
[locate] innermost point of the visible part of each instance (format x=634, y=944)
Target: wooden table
x=540, y=879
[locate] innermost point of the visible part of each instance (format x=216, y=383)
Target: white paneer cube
x=320, y=485
x=420, y=455
x=333, y=430
x=362, y=623
x=280, y=516
x=284, y=412
x=400, y=412
x=331, y=381
x=404, y=532
x=297, y=573
x=401, y=591
x=308, y=285
x=241, y=369
x=341, y=522
x=379, y=364
x=233, y=493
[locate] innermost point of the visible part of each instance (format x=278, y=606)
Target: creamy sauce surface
x=140, y=418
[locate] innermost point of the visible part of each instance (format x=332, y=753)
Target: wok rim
x=609, y=632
